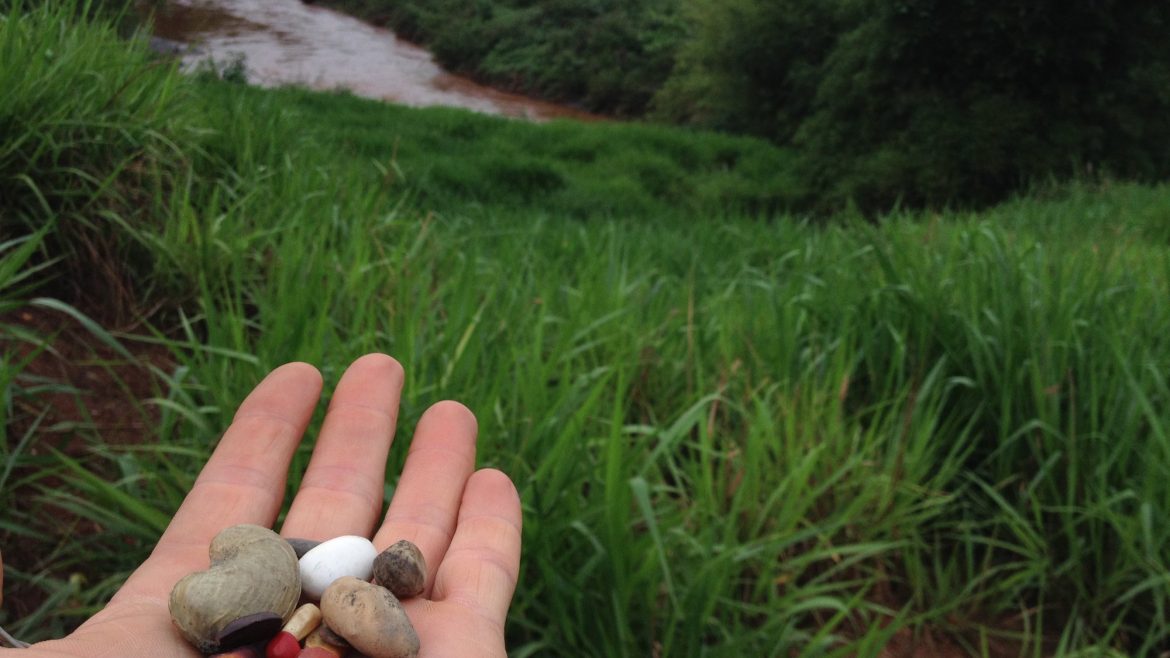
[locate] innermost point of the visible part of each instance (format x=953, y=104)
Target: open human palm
x=466, y=522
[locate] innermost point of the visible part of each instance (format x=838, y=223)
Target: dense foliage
x=919, y=102
x=935, y=101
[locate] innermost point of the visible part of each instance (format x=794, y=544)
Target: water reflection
x=289, y=42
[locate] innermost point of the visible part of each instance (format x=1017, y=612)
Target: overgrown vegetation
x=928, y=102
x=734, y=434
x=88, y=145
x=919, y=103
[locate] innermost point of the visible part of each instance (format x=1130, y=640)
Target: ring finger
x=426, y=501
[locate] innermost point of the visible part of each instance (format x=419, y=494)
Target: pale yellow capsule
x=304, y=621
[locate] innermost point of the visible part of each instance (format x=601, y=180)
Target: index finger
x=243, y=481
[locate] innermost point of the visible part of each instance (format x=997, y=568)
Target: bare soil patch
x=73, y=391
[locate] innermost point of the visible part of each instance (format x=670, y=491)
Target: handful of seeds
x=246, y=604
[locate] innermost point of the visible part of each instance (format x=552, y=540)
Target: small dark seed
x=258, y=627
x=401, y=569
x=301, y=546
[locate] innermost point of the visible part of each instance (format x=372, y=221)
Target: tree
x=932, y=102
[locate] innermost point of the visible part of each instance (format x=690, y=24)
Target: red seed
x=284, y=645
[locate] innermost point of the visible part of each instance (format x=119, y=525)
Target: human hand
x=466, y=522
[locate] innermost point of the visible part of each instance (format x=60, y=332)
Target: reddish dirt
x=106, y=387
x=101, y=396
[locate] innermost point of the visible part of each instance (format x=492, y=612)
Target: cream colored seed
x=304, y=621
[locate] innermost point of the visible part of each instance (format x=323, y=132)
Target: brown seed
x=401, y=569
x=370, y=618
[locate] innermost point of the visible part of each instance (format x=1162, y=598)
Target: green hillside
x=736, y=430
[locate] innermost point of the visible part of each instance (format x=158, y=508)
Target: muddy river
x=289, y=42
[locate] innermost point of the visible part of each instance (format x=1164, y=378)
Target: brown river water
x=289, y=42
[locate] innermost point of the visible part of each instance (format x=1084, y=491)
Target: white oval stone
x=348, y=555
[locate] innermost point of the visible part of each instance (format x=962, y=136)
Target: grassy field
x=735, y=432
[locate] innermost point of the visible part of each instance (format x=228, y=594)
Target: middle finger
x=341, y=493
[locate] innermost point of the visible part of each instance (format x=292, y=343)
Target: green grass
x=453, y=159
x=734, y=433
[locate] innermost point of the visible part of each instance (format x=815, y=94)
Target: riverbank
x=610, y=58
x=288, y=42
x=735, y=432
